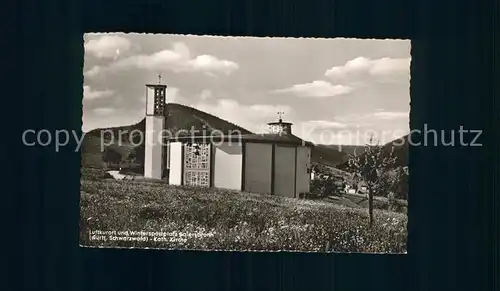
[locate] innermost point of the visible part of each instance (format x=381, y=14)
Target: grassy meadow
x=215, y=219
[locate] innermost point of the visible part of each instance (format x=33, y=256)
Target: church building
x=274, y=163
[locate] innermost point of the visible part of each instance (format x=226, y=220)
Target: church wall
x=150, y=104
x=258, y=167
x=303, y=163
x=153, y=152
x=175, y=175
x=284, y=173
x=227, y=165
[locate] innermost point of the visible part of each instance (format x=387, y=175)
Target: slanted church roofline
x=159, y=85
x=156, y=85
x=288, y=139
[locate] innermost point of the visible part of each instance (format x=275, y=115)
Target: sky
x=334, y=91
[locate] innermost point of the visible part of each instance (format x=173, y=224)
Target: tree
x=396, y=182
x=131, y=157
x=323, y=183
x=138, y=154
x=370, y=168
x=111, y=155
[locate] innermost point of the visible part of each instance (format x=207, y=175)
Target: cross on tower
x=280, y=113
x=159, y=78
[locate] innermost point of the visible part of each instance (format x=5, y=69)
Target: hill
x=180, y=117
x=401, y=150
x=347, y=149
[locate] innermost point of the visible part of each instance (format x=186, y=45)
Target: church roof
x=284, y=138
x=288, y=139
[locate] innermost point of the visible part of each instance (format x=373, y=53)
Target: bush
x=111, y=156
x=325, y=182
x=221, y=219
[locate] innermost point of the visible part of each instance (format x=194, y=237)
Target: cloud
x=182, y=49
x=357, y=121
x=358, y=67
x=316, y=89
x=154, y=62
x=103, y=110
x=90, y=94
x=107, y=46
x=210, y=64
x=388, y=66
x=323, y=131
x=252, y=117
x=376, y=67
x=177, y=59
x=105, y=117
x=354, y=128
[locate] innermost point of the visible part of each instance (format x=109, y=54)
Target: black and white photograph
x=214, y=143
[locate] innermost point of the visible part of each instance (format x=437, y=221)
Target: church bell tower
x=155, y=124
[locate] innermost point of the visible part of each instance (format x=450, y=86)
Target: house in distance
x=275, y=163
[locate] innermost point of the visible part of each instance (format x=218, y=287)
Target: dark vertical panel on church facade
x=166, y=147
x=273, y=167
x=183, y=145
x=163, y=157
x=243, y=164
x=51, y=258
